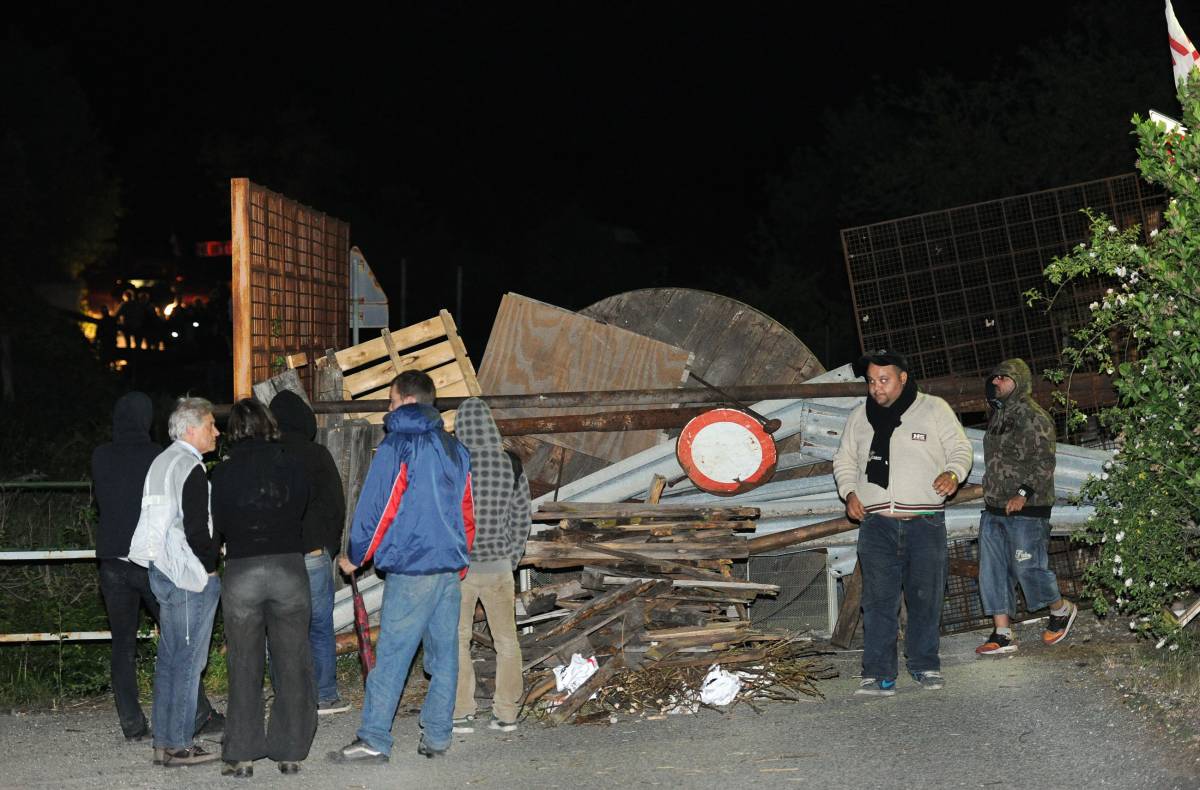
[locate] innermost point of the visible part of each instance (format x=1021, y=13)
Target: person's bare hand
x=854, y=508
x=945, y=484
x=346, y=566
x=1014, y=505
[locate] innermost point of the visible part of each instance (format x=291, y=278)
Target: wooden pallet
x=433, y=346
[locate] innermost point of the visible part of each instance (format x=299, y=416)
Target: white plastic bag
x=719, y=687
x=572, y=676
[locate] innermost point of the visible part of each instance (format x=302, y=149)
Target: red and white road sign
x=726, y=451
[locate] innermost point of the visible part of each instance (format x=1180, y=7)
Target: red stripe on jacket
x=389, y=512
x=468, y=508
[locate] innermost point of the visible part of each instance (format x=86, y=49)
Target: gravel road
x=1042, y=718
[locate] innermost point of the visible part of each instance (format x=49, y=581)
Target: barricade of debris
x=654, y=622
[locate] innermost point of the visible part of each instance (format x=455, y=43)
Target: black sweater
x=258, y=500
x=119, y=473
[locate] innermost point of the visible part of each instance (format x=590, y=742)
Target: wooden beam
x=239, y=210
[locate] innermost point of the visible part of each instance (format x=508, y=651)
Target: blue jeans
x=320, y=626
x=910, y=556
x=185, y=621
x=417, y=610
x=1012, y=549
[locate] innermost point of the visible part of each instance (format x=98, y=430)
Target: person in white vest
x=174, y=539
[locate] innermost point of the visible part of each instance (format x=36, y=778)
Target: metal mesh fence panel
x=946, y=288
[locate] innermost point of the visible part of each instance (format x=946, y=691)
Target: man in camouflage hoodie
x=1018, y=488
x=502, y=521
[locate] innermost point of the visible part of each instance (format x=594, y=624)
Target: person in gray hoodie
x=502, y=522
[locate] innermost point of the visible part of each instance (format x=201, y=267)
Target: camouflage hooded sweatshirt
x=502, y=512
x=1018, y=447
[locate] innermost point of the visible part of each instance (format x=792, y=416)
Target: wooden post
x=239, y=206
x=460, y=353
x=850, y=614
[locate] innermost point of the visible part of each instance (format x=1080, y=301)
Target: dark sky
x=655, y=116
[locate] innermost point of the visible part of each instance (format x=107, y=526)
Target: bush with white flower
x=1145, y=331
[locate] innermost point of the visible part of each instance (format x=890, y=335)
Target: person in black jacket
x=322, y=526
x=258, y=500
x=118, y=472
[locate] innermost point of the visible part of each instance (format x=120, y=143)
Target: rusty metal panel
x=945, y=288
x=291, y=277
x=537, y=347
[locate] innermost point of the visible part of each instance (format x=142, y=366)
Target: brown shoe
x=160, y=755
x=193, y=755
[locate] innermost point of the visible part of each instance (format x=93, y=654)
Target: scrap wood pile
x=652, y=610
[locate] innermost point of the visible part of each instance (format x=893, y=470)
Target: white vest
x=159, y=536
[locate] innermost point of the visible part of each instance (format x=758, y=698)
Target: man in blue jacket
x=415, y=520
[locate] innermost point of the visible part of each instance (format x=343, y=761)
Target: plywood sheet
x=536, y=347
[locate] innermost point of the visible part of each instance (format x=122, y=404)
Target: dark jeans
x=267, y=598
x=910, y=556
x=126, y=588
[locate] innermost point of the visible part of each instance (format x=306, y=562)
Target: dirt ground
x=1097, y=712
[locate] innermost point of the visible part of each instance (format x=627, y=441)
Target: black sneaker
x=996, y=645
x=141, y=735
x=358, y=751
x=425, y=750
x=331, y=706
x=213, y=728
x=193, y=755
x=242, y=769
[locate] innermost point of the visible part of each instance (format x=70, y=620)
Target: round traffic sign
x=726, y=451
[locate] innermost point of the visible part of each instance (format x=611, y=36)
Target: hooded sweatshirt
x=118, y=472
x=1018, y=446
x=325, y=515
x=502, y=513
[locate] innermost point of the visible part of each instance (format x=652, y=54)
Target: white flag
x=1183, y=54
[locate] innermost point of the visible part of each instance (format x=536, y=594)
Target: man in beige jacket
x=902, y=453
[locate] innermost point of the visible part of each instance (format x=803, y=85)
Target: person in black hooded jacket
x=118, y=473
x=324, y=519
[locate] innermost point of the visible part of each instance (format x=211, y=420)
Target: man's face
x=1004, y=386
x=396, y=400
x=885, y=383
x=204, y=436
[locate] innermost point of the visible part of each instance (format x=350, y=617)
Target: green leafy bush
x=1145, y=332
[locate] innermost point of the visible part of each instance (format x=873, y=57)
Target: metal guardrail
x=52, y=555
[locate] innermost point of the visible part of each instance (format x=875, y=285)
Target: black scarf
x=884, y=420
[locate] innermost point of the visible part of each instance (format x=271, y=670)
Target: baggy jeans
x=185, y=628
x=898, y=556
x=126, y=588
x=320, y=626
x=1012, y=549
x=267, y=597
x=417, y=610
x=496, y=592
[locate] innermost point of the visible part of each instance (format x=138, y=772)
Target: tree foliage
x=1145, y=331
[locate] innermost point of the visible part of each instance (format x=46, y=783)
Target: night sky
x=449, y=134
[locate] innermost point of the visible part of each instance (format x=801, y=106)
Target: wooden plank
x=382, y=374
x=460, y=353
x=265, y=391
x=607, y=601
x=851, y=612
x=408, y=337
x=536, y=347
x=393, y=356
x=555, y=511
x=657, y=484
x=549, y=554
